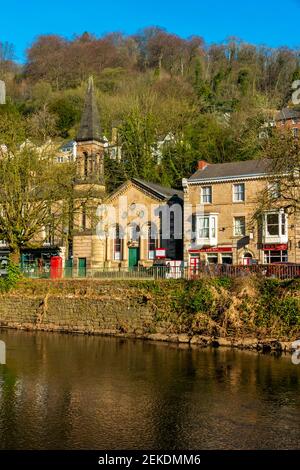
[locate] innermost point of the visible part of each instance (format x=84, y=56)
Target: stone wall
x=106, y=311
x=142, y=309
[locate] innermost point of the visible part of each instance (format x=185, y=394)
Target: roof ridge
x=240, y=168
x=156, y=185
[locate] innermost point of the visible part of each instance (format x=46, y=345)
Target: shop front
x=210, y=256
x=37, y=260
x=275, y=253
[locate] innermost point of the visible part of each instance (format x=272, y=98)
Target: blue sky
x=270, y=22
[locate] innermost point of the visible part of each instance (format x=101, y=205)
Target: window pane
x=206, y=194
x=212, y=259
x=151, y=242
x=276, y=256
x=213, y=227
x=117, y=244
x=272, y=219
x=272, y=224
x=227, y=259
x=274, y=189
x=239, y=226
x=204, y=227
x=283, y=224
x=239, y=192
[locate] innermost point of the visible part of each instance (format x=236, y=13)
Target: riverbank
x=250, y=313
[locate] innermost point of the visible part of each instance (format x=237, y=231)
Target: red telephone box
x=56, y=267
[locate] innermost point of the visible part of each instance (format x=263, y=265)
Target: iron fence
x=280, y=271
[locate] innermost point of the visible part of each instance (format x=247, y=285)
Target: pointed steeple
x=90, y=121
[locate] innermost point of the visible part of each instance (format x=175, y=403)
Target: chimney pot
x=202, y=164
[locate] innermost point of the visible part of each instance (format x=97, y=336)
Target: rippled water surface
x=78, y=392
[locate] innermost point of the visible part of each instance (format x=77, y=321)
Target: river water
x=83, y=392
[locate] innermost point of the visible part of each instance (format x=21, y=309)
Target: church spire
x=90, y=121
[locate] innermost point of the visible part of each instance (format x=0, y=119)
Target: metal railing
x=278, y=271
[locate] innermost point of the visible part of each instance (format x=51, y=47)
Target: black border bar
x=133, y=459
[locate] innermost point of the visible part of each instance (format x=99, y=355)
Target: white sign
x=160, y=253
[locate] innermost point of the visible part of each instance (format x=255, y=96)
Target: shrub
x=11, y=279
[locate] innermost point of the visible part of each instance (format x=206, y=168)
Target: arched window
x=151, y=240
x=85, y=164
x=118, y=244
x=134, y=232
x=83, y=218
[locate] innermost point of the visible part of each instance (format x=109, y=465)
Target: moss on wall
x=221, y=307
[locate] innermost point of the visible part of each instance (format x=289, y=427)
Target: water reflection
x=60, y=391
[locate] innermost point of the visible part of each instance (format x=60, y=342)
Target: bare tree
x=33, y=189
x=7, y=56
x=42, y=124
x=283, y=151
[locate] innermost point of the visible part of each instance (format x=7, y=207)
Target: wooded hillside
x=212, y=98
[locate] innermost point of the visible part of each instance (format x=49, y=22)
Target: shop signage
x=277, y=247
x=160, y=253
x=213, y=249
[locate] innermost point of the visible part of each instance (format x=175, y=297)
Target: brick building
x=288, y=118
x=223, y=226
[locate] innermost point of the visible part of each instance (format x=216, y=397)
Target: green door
x=81, y=267
x=68, y=267
x=133, y=257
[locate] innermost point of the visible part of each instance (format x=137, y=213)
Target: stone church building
x=123, y=244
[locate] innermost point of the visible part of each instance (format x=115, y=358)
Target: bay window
x=204, y=227
x=275, y=227
x=207, y=229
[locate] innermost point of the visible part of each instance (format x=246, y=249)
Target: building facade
x=221, y=202
x=288, y=118
x=147, y=224
x=129, y=244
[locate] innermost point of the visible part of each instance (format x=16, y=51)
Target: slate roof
x=287, y=113
x=159, y=190
x=233, y=170
x=90, y=121
x=67, y=146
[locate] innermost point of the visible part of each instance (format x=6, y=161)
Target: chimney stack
x=202, y=164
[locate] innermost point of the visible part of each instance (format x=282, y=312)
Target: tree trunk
x=14, y=256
